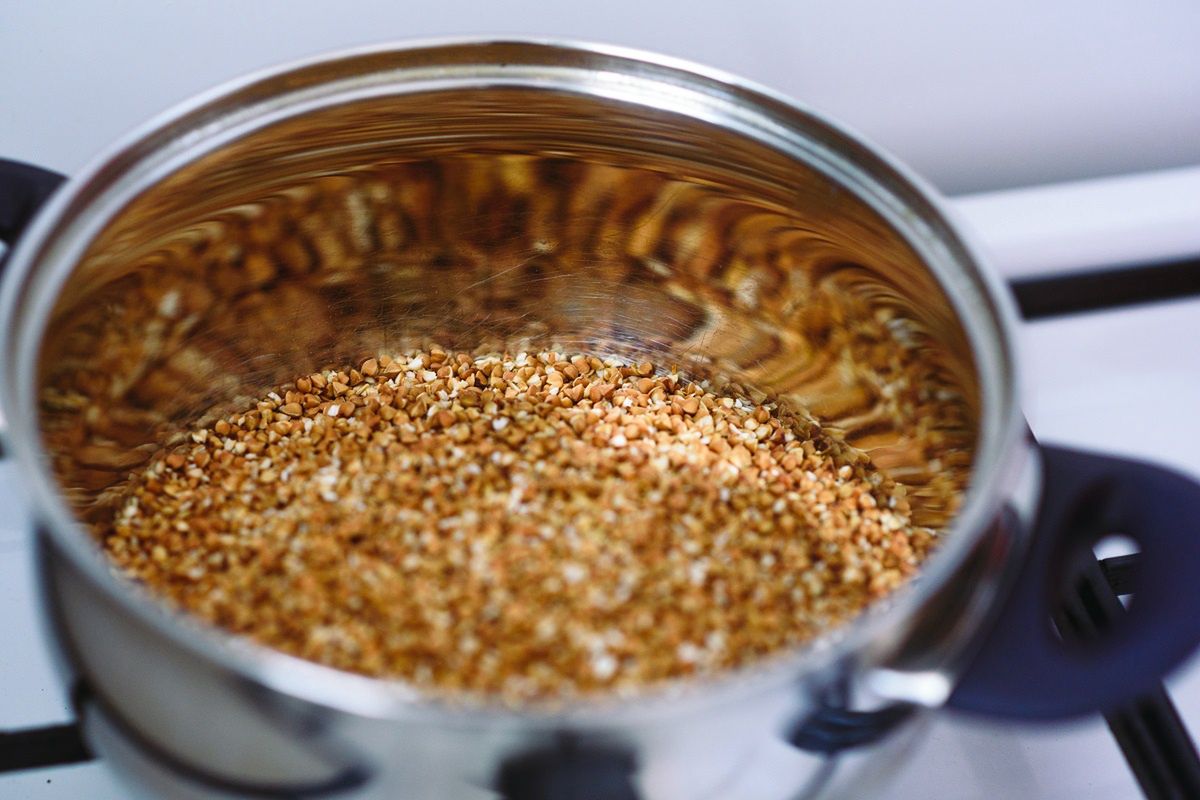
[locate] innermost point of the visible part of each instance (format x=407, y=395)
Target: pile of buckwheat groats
x=529, y=526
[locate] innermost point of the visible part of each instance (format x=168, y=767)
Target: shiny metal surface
x=487, y=195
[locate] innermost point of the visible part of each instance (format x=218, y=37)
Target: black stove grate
x=1151, y=734
x=51, y=746
x=1149, y=731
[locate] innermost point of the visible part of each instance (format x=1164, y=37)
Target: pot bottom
x=774, y=770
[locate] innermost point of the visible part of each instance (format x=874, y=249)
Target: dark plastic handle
x=569, y=771
x=23, y=189
x=1024, y=669
x=832, y=730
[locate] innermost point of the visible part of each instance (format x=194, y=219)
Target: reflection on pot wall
x=508, y=219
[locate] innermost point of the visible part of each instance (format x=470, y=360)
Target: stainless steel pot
x=516, y=193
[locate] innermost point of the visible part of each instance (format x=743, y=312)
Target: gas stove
x=1113, y=365
x=1107, y=275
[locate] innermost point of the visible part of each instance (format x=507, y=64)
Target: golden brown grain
x=528, y=525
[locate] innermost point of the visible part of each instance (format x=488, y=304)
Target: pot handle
x=569, y=771
x=23, y=189
x=1024, y=668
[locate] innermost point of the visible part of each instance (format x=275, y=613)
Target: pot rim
x=47, y=253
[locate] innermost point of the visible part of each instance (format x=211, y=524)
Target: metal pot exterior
x=176, y=725
x=715, y=166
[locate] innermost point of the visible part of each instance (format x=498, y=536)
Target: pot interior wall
x=491, y=219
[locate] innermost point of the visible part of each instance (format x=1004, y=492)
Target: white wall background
x=975, y=95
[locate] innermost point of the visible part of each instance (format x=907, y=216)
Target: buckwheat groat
x=530, y=525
